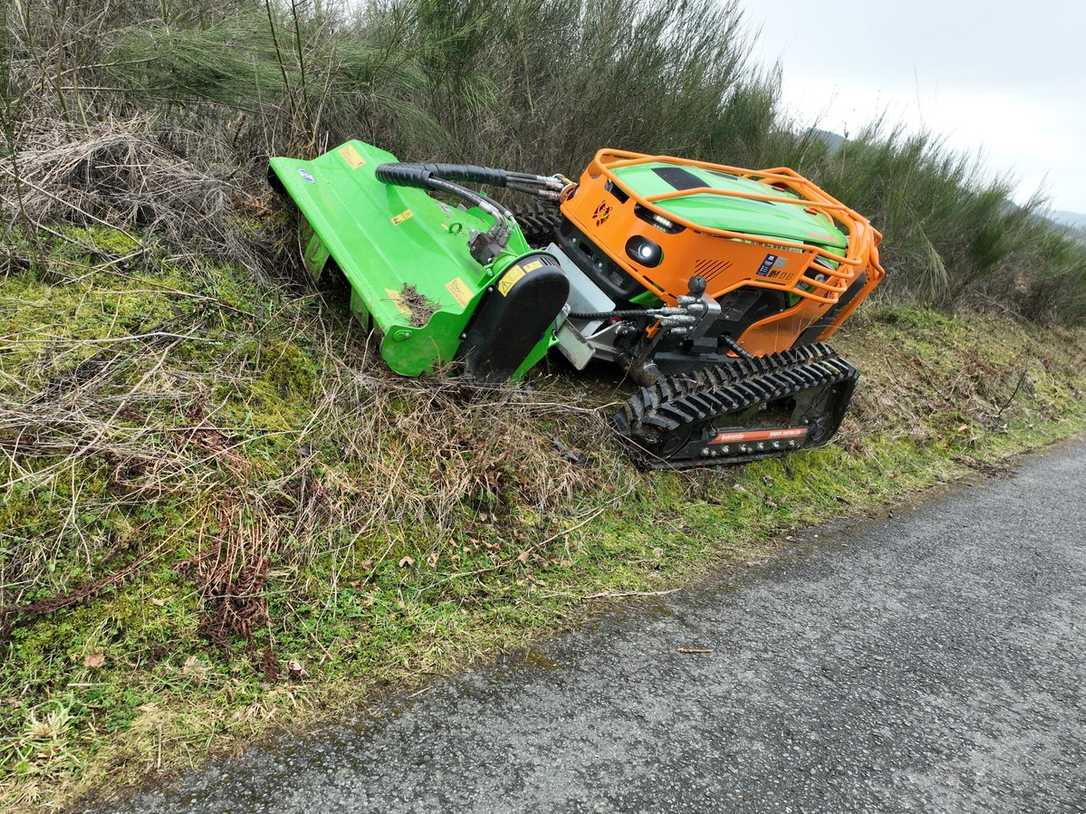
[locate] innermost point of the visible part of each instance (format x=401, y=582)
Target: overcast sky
x=1007, y=77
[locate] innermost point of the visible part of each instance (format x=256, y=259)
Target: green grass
x=387, y=530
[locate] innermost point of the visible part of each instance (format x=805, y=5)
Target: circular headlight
x=643, y=251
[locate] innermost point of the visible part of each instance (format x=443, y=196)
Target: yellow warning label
x=351, y=156
x=533, y=265
x=400, y=218
x=510, y=279
x=397, y=298
x=460, y=291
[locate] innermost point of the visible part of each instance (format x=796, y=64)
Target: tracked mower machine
x=714, y=288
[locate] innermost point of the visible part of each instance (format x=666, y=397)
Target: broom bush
x=537, y=85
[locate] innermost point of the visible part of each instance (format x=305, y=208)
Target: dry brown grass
x=148, y=180
x=233, y=449
x=275, y=438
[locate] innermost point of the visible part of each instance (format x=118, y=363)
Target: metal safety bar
x=863, y=238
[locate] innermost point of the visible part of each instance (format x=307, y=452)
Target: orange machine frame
x=733, y=262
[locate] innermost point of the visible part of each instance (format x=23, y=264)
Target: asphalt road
x=932, y=661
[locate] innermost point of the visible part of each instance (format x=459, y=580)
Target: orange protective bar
x=863, y=239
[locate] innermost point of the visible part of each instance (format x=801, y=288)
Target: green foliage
x=201, y=430
x=539, y=85
x=232, y=62
x=543, y=84
x=952, y=237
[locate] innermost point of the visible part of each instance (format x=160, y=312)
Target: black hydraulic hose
x=419, y=175
x=443, y=177
x=492, y=208
x=632, y=314
x=410, y=174
x=425, y=176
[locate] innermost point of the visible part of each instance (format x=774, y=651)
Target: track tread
x=689, y=398
x=538, y=220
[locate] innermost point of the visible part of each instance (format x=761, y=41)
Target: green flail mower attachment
x=439, y=281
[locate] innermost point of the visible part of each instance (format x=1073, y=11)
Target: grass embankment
x=209, y=476
x=221, y=514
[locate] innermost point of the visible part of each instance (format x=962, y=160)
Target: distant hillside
x=1074, y=219
x=834, y=141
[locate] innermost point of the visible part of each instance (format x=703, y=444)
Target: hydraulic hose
x=418, y=175
x=423, y=176
x=429, y=176
x=630, y=314
x=443, y=177
x=492, y=208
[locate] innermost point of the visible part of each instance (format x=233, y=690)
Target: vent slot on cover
x=617, y=191
x=708, y=269
x=678, y=178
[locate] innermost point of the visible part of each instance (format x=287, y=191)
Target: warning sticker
x=398, y=299
x=510, y=279
x=351, y=156
x=460, y=291
x=400, y=218
x=773, y=267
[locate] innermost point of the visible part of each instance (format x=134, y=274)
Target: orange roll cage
x=740, y=256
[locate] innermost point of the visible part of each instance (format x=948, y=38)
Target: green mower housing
x=406, y=258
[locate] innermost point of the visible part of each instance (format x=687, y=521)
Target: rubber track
x=693, y=397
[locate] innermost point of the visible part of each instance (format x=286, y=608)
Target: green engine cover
x=738, y=214
x=404, y=254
